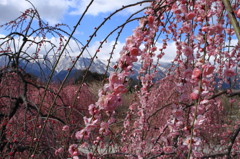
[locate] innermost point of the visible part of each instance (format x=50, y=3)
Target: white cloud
x=2, y=35
x=54, y=11
x=104, y=6
x=170, y=51
x=105, y=50
x=50, y=10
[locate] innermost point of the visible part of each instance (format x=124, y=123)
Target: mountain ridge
x=41, y=66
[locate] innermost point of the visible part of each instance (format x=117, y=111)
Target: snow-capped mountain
x=42, y=66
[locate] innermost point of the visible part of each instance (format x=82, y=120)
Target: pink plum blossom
x=195, y=141
x=168, y=149
x=65, y=128
x=142, y=22
x=109, y=102
x=208, y=69
x=190, y=15
x=196, y=73
x=119, y=89
x=150, y=20
x=238, y=13
x=130, y=41
x=89, y=155
x=82, y=134
x=199, y=121
x=177, y=113
x=73, y=149
x=134, y=51
x=186, y=28
x=58, y=151
x=188, y=51
x=177, y=11
x=205, y=28
x=229, y=73
x=153, y=48
x=187, y=73
x=91, y=123
x=92, y=109
x=114, y=78
x=229, y=31
x=104, y=128
x=195, y=94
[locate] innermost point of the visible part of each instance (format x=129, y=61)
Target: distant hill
x=42, y=66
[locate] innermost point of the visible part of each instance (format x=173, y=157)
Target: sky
x=69, y=11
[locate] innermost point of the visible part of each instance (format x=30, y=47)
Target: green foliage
x=132, y=82
x=89, y=77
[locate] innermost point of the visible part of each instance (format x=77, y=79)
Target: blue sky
x=69, y=11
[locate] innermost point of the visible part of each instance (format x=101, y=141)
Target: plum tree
x=186, y=114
